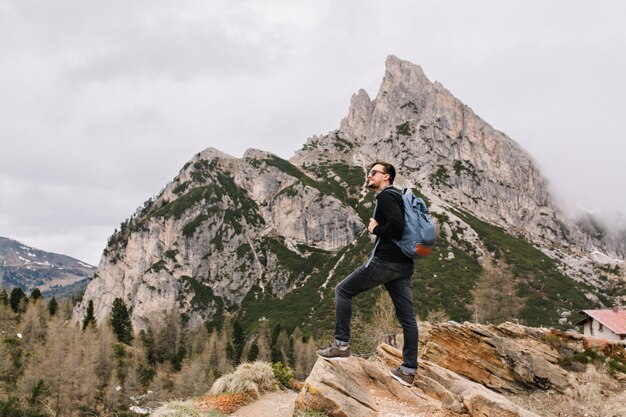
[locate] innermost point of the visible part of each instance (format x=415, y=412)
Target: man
x=388, y=266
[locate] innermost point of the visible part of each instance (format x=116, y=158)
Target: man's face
x=377, y=178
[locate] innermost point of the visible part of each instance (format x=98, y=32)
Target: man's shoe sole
x=402, y=381
x=334, y=358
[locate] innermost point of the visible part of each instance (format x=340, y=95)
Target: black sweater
x=390, y=217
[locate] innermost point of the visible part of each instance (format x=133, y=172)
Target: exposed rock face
x=440, y=144
x=220, y=228
x=505, y=358
x=443, y=148
x=357, y=387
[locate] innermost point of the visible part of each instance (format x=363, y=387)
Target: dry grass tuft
x=249, y=378
x=183, y=409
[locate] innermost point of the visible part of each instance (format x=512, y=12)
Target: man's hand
x=372, y=225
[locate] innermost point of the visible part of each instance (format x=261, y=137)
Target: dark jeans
x=396, y=277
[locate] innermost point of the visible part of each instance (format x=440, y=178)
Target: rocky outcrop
x=477, y=370
x=358, y=387
x=505, y=358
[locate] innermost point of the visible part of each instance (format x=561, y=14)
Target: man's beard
x=370, y=185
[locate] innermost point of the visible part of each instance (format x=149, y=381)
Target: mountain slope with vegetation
x=264, y=240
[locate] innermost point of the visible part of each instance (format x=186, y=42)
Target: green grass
x=203, y=298
x=179, y=206
x=291, y=170
x=546, y=290
x=342, y=144
x=353, y=176
x=466, y=167
x=440, y=177
x=190, y=228
x=442, y=284
x=301, y=307
x=404, y=129
x=292, y=261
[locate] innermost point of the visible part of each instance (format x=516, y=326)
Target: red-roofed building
x=605, y=324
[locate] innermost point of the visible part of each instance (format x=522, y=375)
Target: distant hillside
x=29, y=268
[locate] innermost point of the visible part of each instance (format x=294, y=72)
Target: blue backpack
x=419, y=234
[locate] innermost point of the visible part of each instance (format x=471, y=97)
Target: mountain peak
x=210, y=154
x=399, y=69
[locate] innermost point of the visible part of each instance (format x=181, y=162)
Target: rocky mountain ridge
x=445, y=150
x=29, y=268
x=264, y=238
x=218, y=230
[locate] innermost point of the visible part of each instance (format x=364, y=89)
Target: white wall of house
x=596, y=329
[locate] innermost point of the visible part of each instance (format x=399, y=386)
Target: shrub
x=250, y=378
x=283, y=374
x=613, y=366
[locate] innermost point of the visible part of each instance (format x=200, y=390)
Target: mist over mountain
x=263, y=238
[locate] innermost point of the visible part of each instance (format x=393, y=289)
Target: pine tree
x=299, y=353
x=4, y=297
x=89, y=317
x=311, y=355
x=282, y=347
x=276, y=354
x=8, y=319
x=197, y=338
x=33, y=324
x=35, y=294
x=253, y=353
x=193, y=379
x=120, y=322
x=495, y=298
x=53, y=306
x=264, y=343
x=210, y=351
x=102, y=356
x=239, y=341
x=147, y=341
x=17, y=300
x=168, y=339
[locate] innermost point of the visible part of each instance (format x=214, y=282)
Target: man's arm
x=392, y=221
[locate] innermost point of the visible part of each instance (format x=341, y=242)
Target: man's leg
x=401, y=292
x=362, y=279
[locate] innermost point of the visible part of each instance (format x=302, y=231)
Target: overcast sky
x=102, y=102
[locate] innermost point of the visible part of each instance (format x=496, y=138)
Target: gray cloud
x=103, y=102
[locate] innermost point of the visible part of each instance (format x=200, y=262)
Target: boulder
x=506, y=358
x=359, y=387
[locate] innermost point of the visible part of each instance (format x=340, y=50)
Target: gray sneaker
x=404, y=377
x=333, y=352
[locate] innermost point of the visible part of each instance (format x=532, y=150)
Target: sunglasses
x=373, y=172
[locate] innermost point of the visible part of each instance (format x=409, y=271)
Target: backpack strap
x=377, y=238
